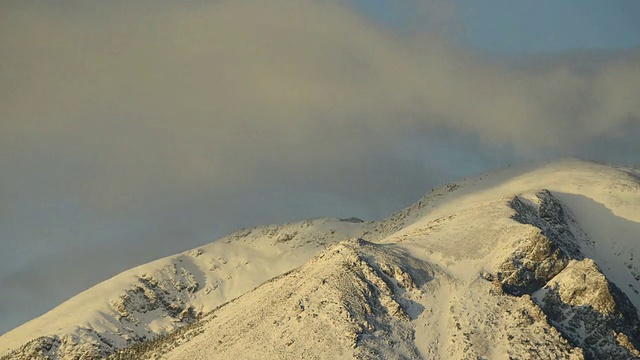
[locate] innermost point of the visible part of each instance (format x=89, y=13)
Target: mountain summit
x=535, y=262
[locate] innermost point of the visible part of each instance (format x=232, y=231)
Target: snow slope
x=537, y=262
x=168, y=293
x=603, y=200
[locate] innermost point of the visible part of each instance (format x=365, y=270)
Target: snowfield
x=534, y=262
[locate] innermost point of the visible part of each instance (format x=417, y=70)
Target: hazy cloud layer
x=143, y=132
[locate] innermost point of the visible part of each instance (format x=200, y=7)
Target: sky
x=136, y=130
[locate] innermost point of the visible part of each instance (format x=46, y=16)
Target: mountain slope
x=158, y=297
x=532, y=262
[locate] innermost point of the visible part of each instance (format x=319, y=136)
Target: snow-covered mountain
x=536, y=262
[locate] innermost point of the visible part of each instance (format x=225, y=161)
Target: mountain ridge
x=515, y=234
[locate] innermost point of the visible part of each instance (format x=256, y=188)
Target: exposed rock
x=546, y=252
x=536, y=260
x=165, y=292
x=591, y=312
x=88, y=347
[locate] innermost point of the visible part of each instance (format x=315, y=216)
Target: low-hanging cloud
x=185, y=92
x=217, y=109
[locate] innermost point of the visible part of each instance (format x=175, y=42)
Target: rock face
x=591, y=312
x=64, y=347
x=164, y=294
x=544, y=253
x=500, y=275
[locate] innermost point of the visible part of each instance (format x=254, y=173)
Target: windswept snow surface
x=535, y=262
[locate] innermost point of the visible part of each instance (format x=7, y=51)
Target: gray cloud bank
x=140, y=130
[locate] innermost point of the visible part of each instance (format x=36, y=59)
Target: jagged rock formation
x=543, y=254
x=505, y=266
x=591, y=312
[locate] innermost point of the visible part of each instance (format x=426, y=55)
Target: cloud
x=205, y=94
x=126, y=123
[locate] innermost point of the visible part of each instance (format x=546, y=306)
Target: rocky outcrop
x=547, y=249
x=536, y=260
x=591, y=312
x=164, y=294
x=587, y=309
x=89, y=345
